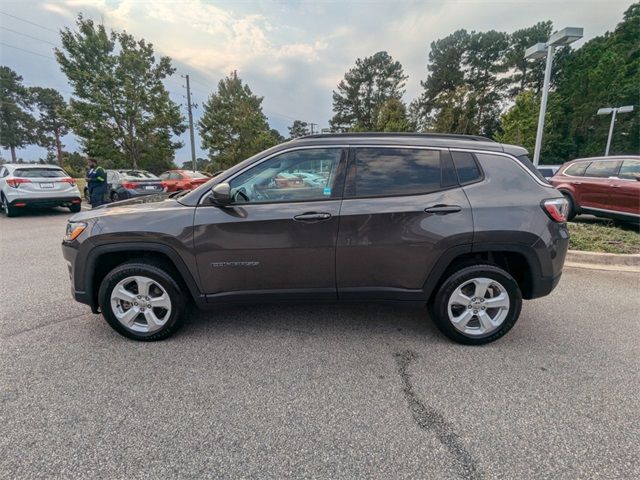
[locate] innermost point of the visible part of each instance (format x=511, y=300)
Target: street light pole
x=613, y=111
x=543, y=105
x=539, y=50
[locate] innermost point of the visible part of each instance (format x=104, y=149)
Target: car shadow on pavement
x=43, y=212
x=314, y=319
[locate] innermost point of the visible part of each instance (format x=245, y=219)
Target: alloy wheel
x=141, y=304
x=478, y=306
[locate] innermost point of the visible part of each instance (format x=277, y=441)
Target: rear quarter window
x=466, y=166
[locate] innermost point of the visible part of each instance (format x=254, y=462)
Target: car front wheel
x=142, y=301
x=477, y=304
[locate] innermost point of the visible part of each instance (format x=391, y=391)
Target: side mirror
x=221, y=194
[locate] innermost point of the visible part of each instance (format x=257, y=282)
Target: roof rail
x=477, y=138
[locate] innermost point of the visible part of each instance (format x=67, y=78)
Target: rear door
x=403, y=208
x=595, y=188
x=279, y=234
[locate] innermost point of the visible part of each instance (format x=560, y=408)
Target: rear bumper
x=46, y=201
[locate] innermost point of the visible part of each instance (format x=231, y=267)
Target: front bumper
x=70, y=253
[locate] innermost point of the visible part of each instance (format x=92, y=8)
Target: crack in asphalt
x=43, y=325
x=430, y=419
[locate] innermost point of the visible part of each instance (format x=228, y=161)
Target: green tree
x=526, y=74
x=364, y=89
x=520, y=122
x=298, y=129
x=51, y=124
x=75, y=164
x=16, y=122
x=233, y=126
x=121, y=110
x=392, y=117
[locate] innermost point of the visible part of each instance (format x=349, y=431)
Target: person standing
x=96, y=183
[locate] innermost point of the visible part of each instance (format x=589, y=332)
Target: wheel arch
x=519, y=261
x=104, y=258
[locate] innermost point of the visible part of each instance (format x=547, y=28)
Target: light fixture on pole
x=558, y=39
x=613, y=111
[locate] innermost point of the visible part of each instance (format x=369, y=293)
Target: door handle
x=443, y=209
x=312, y=217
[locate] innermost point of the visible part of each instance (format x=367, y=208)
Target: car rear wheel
x=75, y=208
x=8, y=210
x=571, y=212
x=115, y=197
x=142, y=301
x=477, y=304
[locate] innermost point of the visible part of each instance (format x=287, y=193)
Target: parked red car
x=602, y=186
x=175, y=180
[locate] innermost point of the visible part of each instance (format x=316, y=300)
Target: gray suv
x=460, y=224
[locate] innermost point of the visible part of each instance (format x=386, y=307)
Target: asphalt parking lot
x=316, y=391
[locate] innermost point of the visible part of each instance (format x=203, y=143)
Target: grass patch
x=600, y=235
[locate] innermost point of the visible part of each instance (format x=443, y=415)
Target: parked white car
x=35, y=185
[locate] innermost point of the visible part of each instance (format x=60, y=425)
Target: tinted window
x=195, y=175
x=137, y=175
x=547, y=172
x=466, y=166
x=602, y=169
x=577, y=169
x=175, y=176
x=300, y=175
x=630, y=170
x=39, y=173
x=396, y=171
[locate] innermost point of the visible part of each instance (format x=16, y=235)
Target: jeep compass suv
x=462, y=225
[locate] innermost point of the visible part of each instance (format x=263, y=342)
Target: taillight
x=68, y=180
x=15, y=182
x=130, y=184
x=557, y=209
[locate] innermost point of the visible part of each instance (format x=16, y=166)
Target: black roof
x=452, y=136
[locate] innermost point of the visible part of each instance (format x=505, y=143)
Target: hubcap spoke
x=459, y=298
x=144, y=284
x=501, y=301
x=123, y=294
x=152, y=320
x=462, y=320
x=482, y=285
x=129, y=316
x=160, y=302
x=485, y=321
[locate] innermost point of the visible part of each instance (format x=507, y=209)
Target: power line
x=29, y=36
x=28, y=51
x=29, y=21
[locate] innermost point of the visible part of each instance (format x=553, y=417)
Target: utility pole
x=312, y=125
x=193, y=143
x=613, y=111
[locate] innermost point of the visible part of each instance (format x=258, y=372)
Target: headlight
x=74, y=229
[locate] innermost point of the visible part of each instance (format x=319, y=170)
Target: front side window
x=397, y=171
x=630, y=170
x=299, y=175
x=602, y=169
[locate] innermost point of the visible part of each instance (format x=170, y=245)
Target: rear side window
x=602, y=169
x=466, y=166
x=577, y=169
x=630, y=170
x=397, y=171
x=39, y=173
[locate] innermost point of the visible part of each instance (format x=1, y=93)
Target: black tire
x=8, y=210
x=115, y=197
x=440, y=308
x=571, y=214
x=75, y=208
x=159, y=273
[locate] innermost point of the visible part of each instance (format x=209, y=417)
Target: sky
x=291, y=52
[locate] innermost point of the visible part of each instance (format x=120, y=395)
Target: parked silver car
x=35, y=185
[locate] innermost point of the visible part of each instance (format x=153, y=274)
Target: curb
x=603, y=261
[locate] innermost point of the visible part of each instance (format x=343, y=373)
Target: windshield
x=40, y=173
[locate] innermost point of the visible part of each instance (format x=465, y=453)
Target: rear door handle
x=312, y=217
x=443, y=209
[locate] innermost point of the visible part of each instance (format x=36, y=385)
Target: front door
x=594, y=190
x=402, y=210
x=280, y=232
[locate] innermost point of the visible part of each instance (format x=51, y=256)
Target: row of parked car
x=603, y=186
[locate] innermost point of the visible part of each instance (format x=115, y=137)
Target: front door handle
x=312, y=217
x=443, y=209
